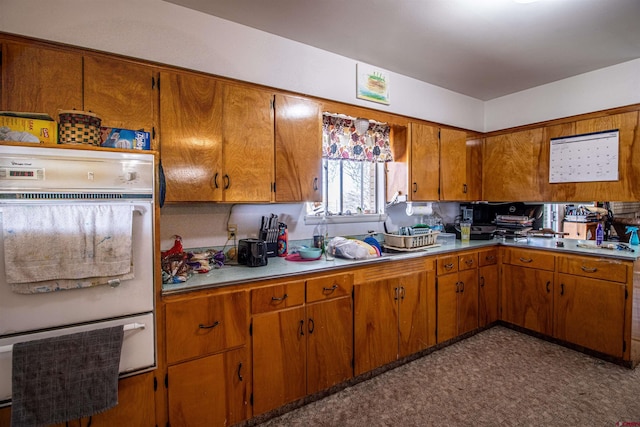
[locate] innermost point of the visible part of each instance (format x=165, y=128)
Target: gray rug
x=498, y=377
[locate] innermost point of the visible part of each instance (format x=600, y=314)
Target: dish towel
x=66, y=242
x=65, y=378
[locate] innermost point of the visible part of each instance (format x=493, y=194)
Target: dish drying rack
x=421, y=238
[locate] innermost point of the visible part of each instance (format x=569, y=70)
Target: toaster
x=252, y=252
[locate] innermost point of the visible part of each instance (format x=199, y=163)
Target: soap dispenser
x=633, y=239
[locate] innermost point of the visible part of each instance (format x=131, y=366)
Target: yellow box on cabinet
x=28, y=127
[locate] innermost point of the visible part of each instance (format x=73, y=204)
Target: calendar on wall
x=584, y=158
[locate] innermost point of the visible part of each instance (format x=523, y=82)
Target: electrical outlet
x=232, y=229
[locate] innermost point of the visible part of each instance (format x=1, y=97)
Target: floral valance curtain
x=341, y=141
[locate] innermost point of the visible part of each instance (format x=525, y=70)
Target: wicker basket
x=79, y=127
x=411, y=242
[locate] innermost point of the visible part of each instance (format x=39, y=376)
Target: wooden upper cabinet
x=510, y=169
x=247, y=144
x=626, y=188
x=121, y=93
x=40, y=80
x=191, y=138
x=460, y=166
x=424, y=175
x=298, y=167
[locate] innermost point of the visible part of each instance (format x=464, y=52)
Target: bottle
x=599, y=234
x=283, y=240
x=633, y=239
x=319, y=232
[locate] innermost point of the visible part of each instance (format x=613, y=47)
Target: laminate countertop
x=278, y=267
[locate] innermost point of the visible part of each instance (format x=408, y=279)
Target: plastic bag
x=352, y=248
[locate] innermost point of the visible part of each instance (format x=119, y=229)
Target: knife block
x=270, y=237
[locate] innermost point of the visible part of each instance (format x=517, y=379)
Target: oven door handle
x=127, y=327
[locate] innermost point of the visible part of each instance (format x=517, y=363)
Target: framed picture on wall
x=372, y=84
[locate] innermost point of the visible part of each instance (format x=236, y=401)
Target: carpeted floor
x=498, y=377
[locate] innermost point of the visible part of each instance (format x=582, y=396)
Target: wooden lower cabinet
x=527, y=298
x=210, y=391
x=304, y=347
x=488, y=285
x=590, y=313
x=457, y=304
x=136, y=406
x=209, y=372
x=457, y=295
x=391, y=317
x=279, y=358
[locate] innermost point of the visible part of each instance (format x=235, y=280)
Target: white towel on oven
x=67, y=241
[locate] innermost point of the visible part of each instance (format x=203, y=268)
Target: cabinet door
x=298, y=150
x=627, y=187
x=40, y=80
x=447, y=295
x=211, y=391
x=375, y=325
x=425, y=163
x=412, y=299
x=279, y=358
x=329, y=343
x=248, y=147
x=487, y=294
x=527, y=298
x=468, y=301
x=590, y=313
x=120, y=92
x=510, y=169
x=191, y=140
x=460, y=166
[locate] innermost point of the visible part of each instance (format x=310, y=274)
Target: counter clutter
x=279, y=267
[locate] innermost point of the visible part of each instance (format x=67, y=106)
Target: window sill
x=345, y=219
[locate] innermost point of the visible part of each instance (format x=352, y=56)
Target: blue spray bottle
x=633, y=239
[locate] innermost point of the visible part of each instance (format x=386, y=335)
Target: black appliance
x=252, y=252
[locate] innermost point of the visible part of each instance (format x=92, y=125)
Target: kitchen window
x=353, y=178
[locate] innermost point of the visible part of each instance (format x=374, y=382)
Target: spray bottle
x=633, y=239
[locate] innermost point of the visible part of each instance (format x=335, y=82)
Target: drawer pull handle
x=469, y=262
x=462, y=286
x=403, y=292
x=301, y=328
x=213, y=325
x=395, y=297
x=239, y=371
x=315, y=184
x=448, y=266
x=561, y=288
x=329, y=290
x=589, y=269
x=482, y=281
x=489, y=257
x=548, y=284
x=282, y=298
x=311, y=325
x=525, y=259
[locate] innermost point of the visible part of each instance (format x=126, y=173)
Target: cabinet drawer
x=597, y=268
x=277, y=297
x=529, y=258
x=447, y=264
x=467, y=261
x=327, y=287
x=489, y=257
x=205, y=325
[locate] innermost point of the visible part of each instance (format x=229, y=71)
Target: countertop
x=278, y=267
